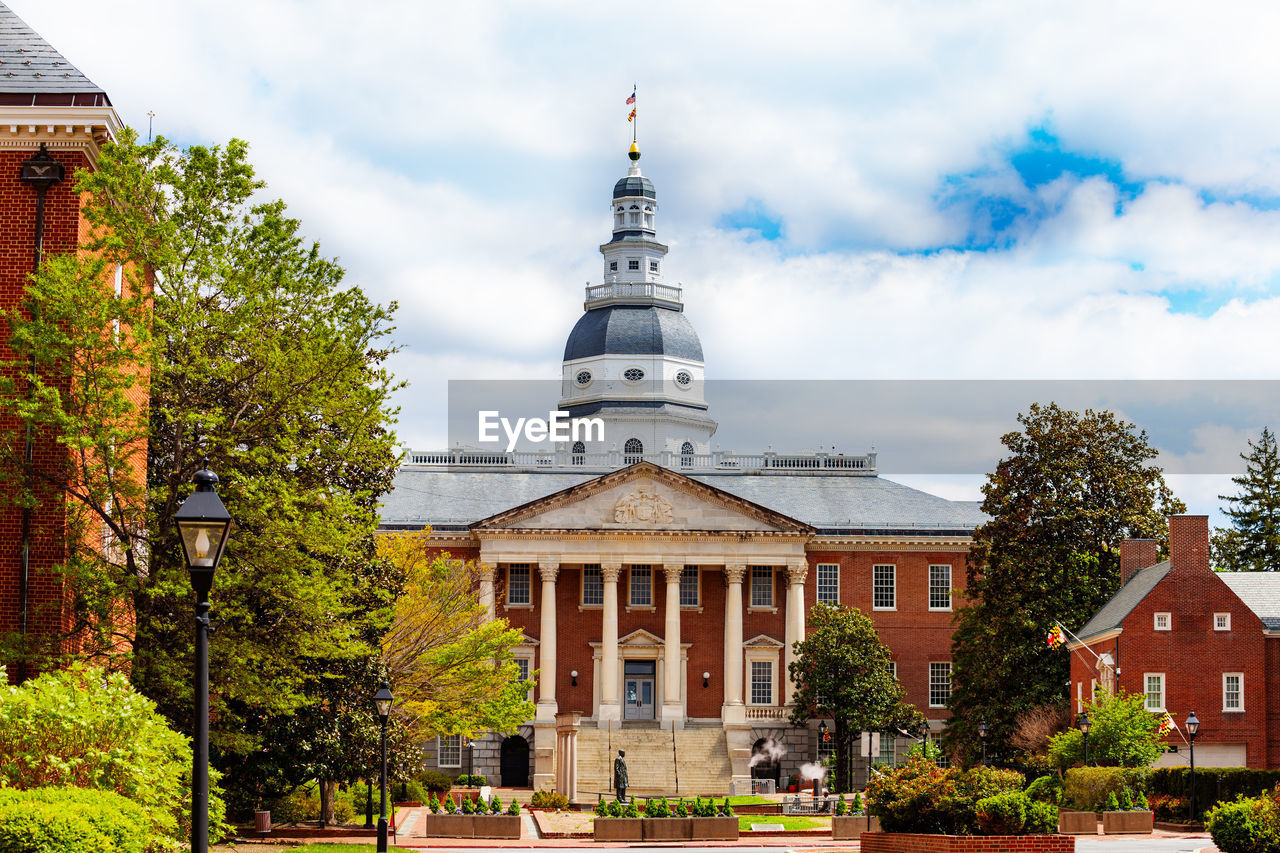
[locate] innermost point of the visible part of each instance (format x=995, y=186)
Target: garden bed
x=470, y=826
x=911, y=842
x=665, y=829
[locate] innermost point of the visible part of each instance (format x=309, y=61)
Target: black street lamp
x=382, y=701
x=982, y=735
x=203, y=527
x=1193, y=726
x=1084, y=730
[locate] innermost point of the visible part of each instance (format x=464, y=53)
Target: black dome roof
x=634, y=185
x=633, y=330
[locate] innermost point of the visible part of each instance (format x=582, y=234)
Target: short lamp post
x=1193, y=726
x=203, y=527
x=1084, y=730
x=982, y=736
x=382, y=701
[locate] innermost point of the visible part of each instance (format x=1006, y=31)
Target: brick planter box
x=495, y=826
x=1125, y=823
x=448, y=826
x=667, y=828
x=617, y=829
x=910, y=842
x=851, y=827
x=1072, y=822
x=714, y=829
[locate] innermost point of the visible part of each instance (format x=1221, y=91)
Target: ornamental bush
x=1093, y=788
x=70, y=820
x=920, y=796
x=657, y=808
x=548, y=800
x=1046, y=789
x=1003, y=814
x=1042, y=819
x=434, y=780
x=1247, y=825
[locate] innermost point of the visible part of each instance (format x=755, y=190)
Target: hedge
x=1213, y=784
x=70, y=820
x=1088, y=787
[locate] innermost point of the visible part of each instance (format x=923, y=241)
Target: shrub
x=703, y=807
x=514, y=808
x=680, y=809
x=1042, y=819
x=495, y=805
x=468, y=807
x=479, y=780
x=463, y=780
x=725, y=809
x=1003, y=814
x=657, y=808
x=1088, y=788
x=1124, y=734
x=433, y=804
x=1112, y=803
x=298, y=805
x=842, y=808
x=434, y=780
x=856, y=806
x=1245, y=826
x=1045, y=789
x=920, y=796
x=1213, y=785
x=548, y=800
x=70, y=820
x=601, y=809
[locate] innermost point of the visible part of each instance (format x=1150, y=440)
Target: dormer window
x=653, y=266
x=633, y=264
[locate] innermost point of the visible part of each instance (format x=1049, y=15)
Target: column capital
x=486, y=573
x=611, y=571
x=797, y=571
x=549, y=568
x=673, y=571
x=735, y=572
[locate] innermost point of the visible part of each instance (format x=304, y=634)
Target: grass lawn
x=749, y=801
x=336, y=848
x=788, y=821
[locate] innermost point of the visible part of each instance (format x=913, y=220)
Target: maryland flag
x=1167, y=724
x=633, y=114
x=1055, y=637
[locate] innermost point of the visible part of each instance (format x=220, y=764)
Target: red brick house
x=1190, y=639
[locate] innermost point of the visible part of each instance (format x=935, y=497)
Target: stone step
x=702, y=753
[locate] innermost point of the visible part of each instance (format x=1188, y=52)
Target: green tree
x=1073, y=486
x=1122, y=733
x=1252, y=543
x=841, y=670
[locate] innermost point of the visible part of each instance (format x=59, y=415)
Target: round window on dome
x=633, y=374
x=583, y=377
x=684, y=379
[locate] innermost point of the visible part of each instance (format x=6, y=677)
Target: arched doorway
x=515, y=762
x=766, y=760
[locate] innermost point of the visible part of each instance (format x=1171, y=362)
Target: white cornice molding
x=59, y=128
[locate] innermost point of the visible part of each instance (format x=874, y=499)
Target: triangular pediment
x=643, y=496
x=763, y=641
x=640, y=637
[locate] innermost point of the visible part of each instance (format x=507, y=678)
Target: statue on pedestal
x=620, y=775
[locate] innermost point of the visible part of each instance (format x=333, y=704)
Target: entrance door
x=515, y=762
x=639, y=677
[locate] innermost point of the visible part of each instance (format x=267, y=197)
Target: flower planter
x=448, y=826
x=1124, y=823
x=617, y=829
x=667, y=828
x=1077, y=823
x=851, y=827
x=911, y=842
x=495, y=826
x=714, y=829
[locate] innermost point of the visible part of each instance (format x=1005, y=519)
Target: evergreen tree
x=1071, y=489
x=1252, y=543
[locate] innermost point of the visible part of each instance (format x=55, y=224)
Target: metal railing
x=718, y=461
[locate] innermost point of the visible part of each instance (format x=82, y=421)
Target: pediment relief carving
x=643, y=506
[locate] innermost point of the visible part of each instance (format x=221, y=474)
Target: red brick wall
x=906, y=842
x=1137, y=554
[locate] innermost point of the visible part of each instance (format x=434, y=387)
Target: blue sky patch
x=1197, y=302
x=752, y=216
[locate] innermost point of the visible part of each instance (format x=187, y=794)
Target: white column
x=610, y=709
x=734, y=711
x=549, y=569
x=796, y=572
x=486, y=591
x=672, y=706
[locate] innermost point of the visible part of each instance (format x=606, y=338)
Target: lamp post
x=382, y=701
x=1193, y=726
x=1084, y=730
x=982, y=736
x=203, y=527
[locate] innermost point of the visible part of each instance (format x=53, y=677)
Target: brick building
x=1191, y=639
x=53, y=121
x=660, y=585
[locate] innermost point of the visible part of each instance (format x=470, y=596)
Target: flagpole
x=635, y=122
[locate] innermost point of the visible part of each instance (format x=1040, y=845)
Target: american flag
x=632, y=99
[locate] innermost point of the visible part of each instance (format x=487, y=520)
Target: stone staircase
x=703, y=757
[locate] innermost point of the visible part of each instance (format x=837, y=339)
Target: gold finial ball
x=634, y=153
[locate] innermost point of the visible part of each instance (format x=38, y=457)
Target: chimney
x=1189, y=543
x=1136, y=554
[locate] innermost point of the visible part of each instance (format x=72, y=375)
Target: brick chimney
x=1137, y=554
x=1189, y=543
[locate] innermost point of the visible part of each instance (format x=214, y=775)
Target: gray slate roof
x=28, y=63
x=634, y=185
x=633, y=330
x=447, y=499
x=1123, y=602
x=1260, y=592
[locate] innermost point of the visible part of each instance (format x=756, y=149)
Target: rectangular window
x=762, y=586
x=887, y=742
x=939, y=587
x=1233, y=691
x=592, y=585
x=1162, y=621
x=641, y=586
x=761, y=682
x=522, y=664
x=893, y=668
x=1222, y=621
x=829, y=583
x=449, y=751
x=633, y=265
x=1154, y=684
x=518, y=583
x=884, y=587
x=828, y=746
x=613, y=266
x=689, y=587
x=939, y=684
x=653, y=266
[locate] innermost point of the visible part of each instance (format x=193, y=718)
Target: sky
x=851, y=190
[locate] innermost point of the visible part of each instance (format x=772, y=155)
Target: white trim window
x=761, y=682
x=1153, y=684
x=524, y=666
x=641, y=593
x=1222, y=621
x=828, y=583
x=762, y=586
x=592, y=586
x=1164, y=622
x=940, y=587
x=893, y=669
x=887, y=742
x=449, y=751
x=690, y=587
x=939, y=684
x=1232, y=691
x=518, y=584
x=884, y=586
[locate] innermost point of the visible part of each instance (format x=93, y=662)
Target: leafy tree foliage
x=1122, y=733
x=1252, y=543
x=1072, y=487
x=841, y=671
